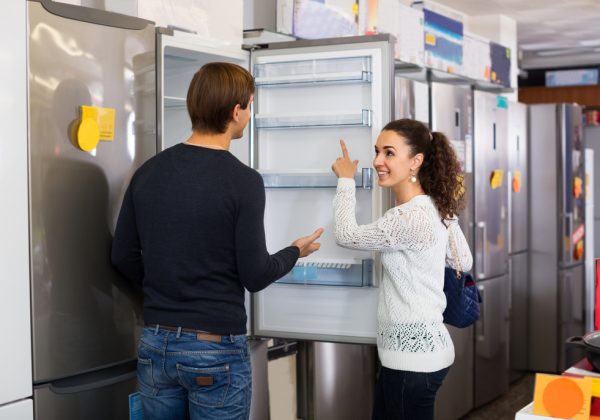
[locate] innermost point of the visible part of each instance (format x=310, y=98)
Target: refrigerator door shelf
x=358, y=119
x=364, y=179
x=355, y=273
x=175, y=102
x=331, y=70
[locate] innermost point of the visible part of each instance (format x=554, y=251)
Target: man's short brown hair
x=214, y=91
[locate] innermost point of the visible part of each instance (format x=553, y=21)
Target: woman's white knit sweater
x=414, y=248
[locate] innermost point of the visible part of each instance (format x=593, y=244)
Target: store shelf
x=316, y=71
x=364, y=179
x=328, y=272
x=359, y=119
x=174, y=102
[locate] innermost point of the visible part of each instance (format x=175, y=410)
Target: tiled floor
x=504, y=408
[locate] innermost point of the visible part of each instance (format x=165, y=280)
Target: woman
x=416, y=238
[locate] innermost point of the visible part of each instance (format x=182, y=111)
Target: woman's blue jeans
x=403, y=395
x=182, y=377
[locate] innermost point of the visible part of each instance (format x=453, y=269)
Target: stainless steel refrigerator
x=490, y=237
x=557, y=208
x=451, y=113
x=517, y=186
x=85, y=316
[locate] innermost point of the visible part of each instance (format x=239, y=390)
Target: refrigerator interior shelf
x=364, y=180
x=320, y=70
x=359, y=119
x=331, y=272
x=327, y=78
x=174, y=102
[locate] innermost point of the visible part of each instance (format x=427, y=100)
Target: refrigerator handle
x=481, y=266
x=568, y=235
x=457, y=123
x=480, y=326
x=509, y=209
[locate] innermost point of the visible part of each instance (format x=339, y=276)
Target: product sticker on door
x=577, y=186
x=95, y=124
x=516, y=181
x=496, y=178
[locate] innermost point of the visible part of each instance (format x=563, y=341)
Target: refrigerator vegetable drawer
x=354, y=273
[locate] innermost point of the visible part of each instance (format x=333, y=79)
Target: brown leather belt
x=200, y=335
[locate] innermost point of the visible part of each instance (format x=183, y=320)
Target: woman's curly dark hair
x=440, y=174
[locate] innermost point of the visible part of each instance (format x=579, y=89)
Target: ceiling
x=551, y=33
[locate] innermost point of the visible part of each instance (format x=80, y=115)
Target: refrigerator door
x=309, y=95
x=571, y=286
x=518, y=272
x=451, y=114
x=95, y=396
x=84, y=314
x=571, y=183
x=22, y=410
x=179, y=56
x=15, y=311
x=489, y=164
x=491, y=341
x=517, y=182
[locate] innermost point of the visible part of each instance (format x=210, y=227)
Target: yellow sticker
x=355, y=9
x=88, y=134
x=564, y=397
x=430, y=39
x=496, y=178
x=105, y=118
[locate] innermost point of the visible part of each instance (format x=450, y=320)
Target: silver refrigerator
x=490, y=237
x=557, y=208
x=518, y=238
x=451, y=113
x=85, y=316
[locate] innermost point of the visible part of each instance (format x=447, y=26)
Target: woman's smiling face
x=393, y=159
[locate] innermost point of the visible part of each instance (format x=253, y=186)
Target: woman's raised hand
x=344, y=167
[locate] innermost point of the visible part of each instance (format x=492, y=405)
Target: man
x=191, y=234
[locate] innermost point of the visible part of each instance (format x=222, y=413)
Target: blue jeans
x=403, y=395
x=181, y=377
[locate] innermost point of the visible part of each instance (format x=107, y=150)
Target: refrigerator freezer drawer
x=106, y=398
x=331, y=273
x=314, y=180
x=332, y=70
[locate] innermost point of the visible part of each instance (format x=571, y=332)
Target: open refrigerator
x=309, y=94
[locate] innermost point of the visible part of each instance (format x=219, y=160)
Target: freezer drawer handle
x=96, y=379
x=482, y=317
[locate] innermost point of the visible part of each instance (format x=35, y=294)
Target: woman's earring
x=412, y=178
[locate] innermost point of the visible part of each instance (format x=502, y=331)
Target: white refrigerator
x=15, y=322
x=309, y=94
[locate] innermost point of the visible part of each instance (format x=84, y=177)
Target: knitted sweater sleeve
x=397, y=229
x=465, y=259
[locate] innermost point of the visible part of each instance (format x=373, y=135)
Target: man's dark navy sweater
x=191, y=233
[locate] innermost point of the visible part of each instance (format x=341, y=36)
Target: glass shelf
x=359, y=119
x=364, y=179
x=316, y=71
x=324, y=272
x=174, y=102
